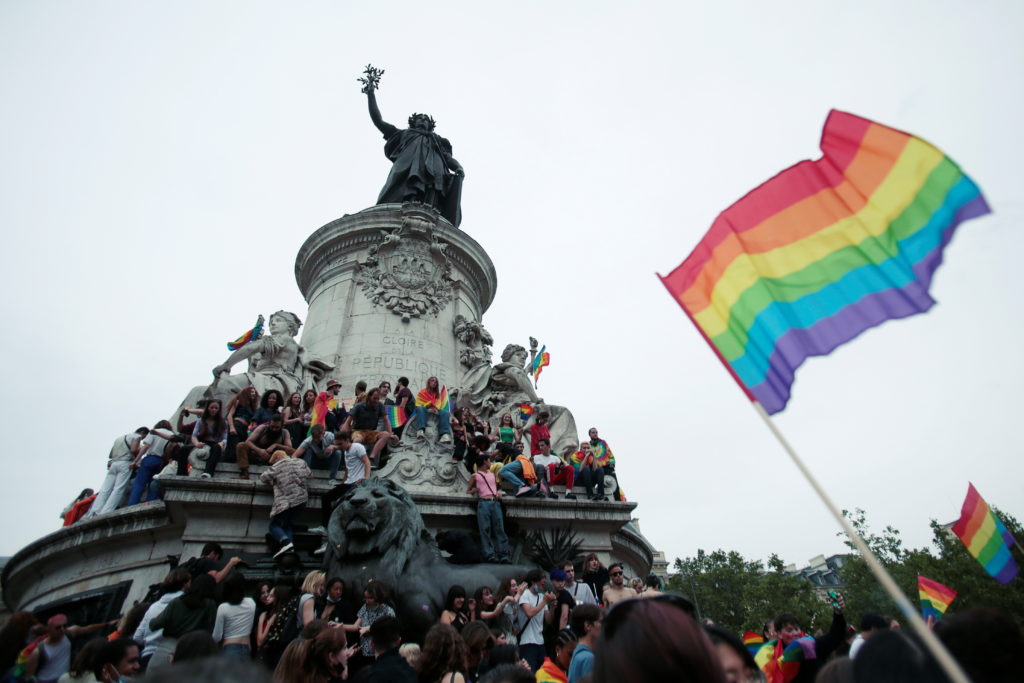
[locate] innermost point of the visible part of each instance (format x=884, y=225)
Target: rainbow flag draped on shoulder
x=427, y=399
x=252, y=335
x=324, y=403
x=985, y=537
x=822, y=252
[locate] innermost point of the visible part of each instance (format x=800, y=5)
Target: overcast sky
x=161, y=163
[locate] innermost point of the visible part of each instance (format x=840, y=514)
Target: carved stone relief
x=408, y=272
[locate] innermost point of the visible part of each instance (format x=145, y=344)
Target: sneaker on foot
x=570, y=496
x=205, y=475
x=524, y=491
x=446, y=438
x=421, y=433
x=287, y=547
x=318, y=530
x=552, y=494
x=322, y=549
x=243, y=474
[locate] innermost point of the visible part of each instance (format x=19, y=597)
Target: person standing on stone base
x=404, y=400
x=488, y=512
x=124, y=450
x=357, y=469
x=149, y=461
x=265, y=440
x=288, y=477
x=362, y=423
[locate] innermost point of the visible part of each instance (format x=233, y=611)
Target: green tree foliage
x=947, y=562
x=740, y=594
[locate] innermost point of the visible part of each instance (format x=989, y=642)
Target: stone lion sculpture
x=377, y=533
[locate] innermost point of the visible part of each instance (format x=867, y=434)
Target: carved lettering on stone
x=408, y=272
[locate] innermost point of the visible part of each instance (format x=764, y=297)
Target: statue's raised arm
x=423, y=168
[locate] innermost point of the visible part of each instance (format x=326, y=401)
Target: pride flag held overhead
x=251, y=335
x=540, y=361
x=822, y=252
x=985, y=537
x=935, y=598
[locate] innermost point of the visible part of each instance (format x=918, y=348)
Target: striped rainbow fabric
x=823, y=251
x=935, y=598
x=985, y=537
x=396, y=416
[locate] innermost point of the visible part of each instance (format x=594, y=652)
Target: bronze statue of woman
x=423, y=168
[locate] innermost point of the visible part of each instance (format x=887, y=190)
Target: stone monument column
x=384, y=288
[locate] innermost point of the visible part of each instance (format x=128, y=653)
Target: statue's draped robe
x=419, y=172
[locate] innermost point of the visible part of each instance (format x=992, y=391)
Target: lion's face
x=374, y=516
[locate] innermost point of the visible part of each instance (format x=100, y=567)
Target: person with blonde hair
x=312, y=590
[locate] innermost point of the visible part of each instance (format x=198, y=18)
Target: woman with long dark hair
x=240, y=413
x=211, y=431
x=444, y=656
x=270, y=625
x=456, y=611
x=193, y=611
x=508, y=594
x=595, y=575
x=337, y=607
x=293, y=413
x=235, y=616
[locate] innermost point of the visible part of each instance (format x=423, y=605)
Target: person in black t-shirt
x=363, y=420
x=564, y=604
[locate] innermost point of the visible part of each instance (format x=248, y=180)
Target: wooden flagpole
x=931, y=641
x=934, y=645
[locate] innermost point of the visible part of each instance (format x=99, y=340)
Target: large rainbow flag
x=935, y=598
x=540, y=361
x=251, y=335
x=428, y=400
x=985, y=537
x=822, y=252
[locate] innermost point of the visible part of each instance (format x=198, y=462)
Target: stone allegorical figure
x=276, y=361
x=423, y=168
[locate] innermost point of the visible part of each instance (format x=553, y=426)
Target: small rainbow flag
x=781, y=664
x=428, y=400
x=985, y=537
x=935, y=598
x=525, y=411
x=252, y=335
x=540, y=361
x=822, y=252
x=752, y=641
x=396, y=416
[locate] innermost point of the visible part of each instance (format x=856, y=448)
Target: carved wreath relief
x=409, y=272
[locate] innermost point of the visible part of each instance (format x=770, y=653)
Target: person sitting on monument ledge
x=211, y=431
x=265, y=440
x=588, y=472
x=119, y=460
x=551, y=469
x=270, y=405
x=433, y=400
x=293, y=417
x=521, y=475
x=539, y=430
x=362, y=423
x=336, y=416
x=240, y=413
x=320, y=452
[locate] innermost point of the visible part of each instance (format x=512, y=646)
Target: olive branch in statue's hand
x=371, y=78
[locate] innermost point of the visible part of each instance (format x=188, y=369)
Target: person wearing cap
x=51, y=659
x=336, y=416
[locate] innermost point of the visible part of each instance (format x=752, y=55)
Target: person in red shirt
x=539, y=430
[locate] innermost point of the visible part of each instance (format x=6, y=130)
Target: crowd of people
x=575, y=623
x=294, y=436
